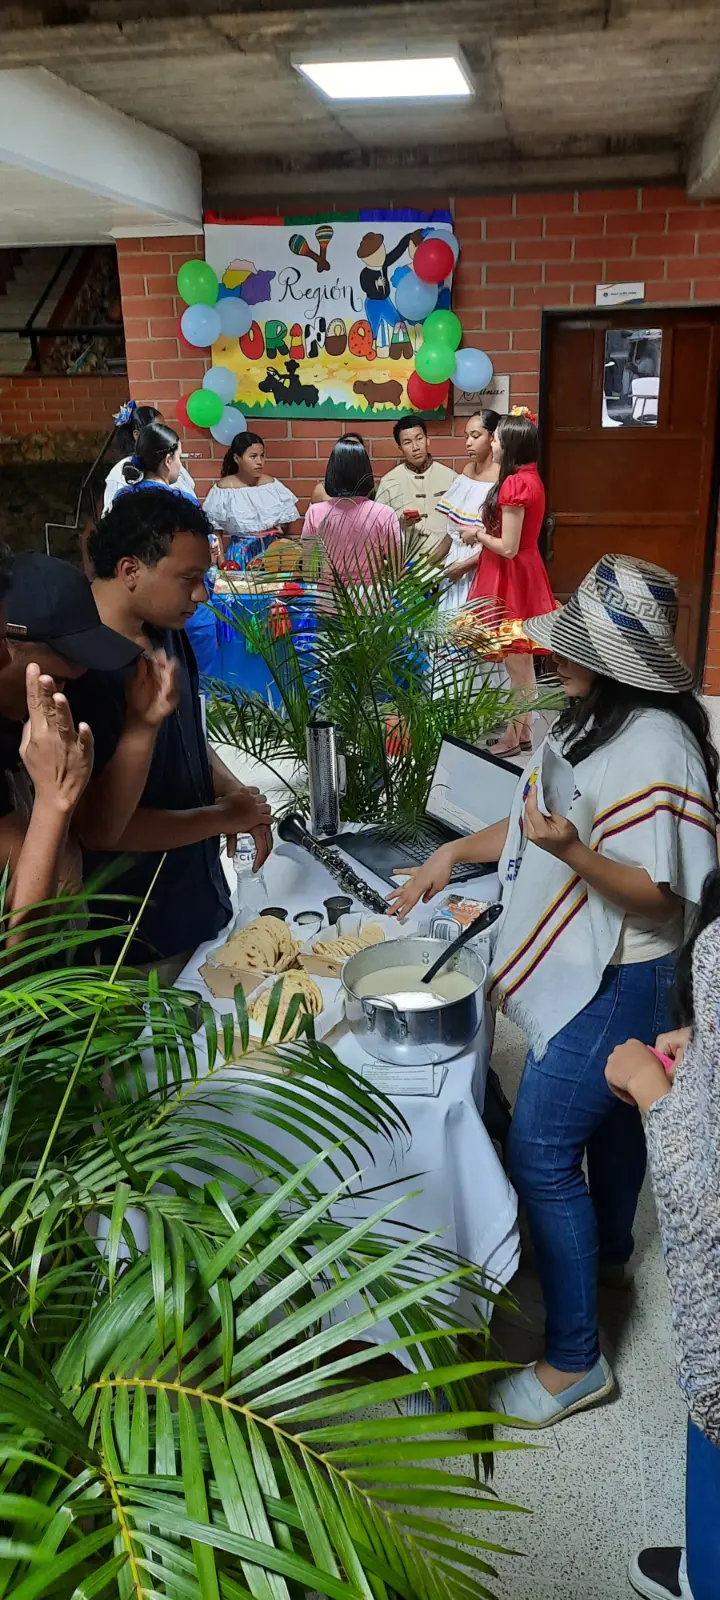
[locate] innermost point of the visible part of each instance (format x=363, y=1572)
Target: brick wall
x=31, y=404
x=520, y=255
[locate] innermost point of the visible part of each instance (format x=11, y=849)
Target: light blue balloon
x=231, y=422
x=473, y=370
x=200, y=325
x=235, y=318
x=449, y=238
x=415, y=299
x=223, y=382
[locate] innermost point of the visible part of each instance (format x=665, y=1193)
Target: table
x=449, y=1159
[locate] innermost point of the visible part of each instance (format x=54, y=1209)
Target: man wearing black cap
x=49, y=631
x=149, y=554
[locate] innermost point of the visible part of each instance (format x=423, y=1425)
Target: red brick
x=483, y=205
x=174, y=241
x=135, y=262
x=576, y=271
x=136, y=328
x=513, y=319
x=671, y=244
x=485, y=297
x=488, y=250
x=691, y=267
x=703, y=289
x=189, y=371
x=691, y=217
x=162, y=349
x=164, y=328
x=543, y=250
x=497, y=340
x=161, y=284
x=589, y=249
x=132, y=287
x=661, y=199
x=526, y=339
x=514, y=227
x=643, y=222
x=608, y=200
x=572, y=227
x=708, y=244
x=512, y=274
x=139, y=305
x=518, y=361
x=531, y=205
x=471, y=228
x=661, y=289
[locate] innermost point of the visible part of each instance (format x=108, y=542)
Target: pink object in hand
x=665, y=1061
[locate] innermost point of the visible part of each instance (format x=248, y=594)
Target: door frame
x=712, y=543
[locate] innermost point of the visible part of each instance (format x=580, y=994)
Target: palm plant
x=182, y=1415
x=382, y=666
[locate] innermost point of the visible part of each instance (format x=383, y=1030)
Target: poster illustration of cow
x=326, y=339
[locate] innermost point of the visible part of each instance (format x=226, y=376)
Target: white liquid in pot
x=404, y=986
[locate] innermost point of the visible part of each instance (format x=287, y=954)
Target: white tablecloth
x=460, y=1188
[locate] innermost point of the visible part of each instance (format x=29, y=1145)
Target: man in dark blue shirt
x=156, y=785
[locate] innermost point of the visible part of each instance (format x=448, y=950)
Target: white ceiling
x=37, y=210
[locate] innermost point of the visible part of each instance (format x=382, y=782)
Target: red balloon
x=433, y=260
x=181, y=414
x=426, y=396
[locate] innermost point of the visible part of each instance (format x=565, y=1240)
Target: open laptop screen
x=471, y=789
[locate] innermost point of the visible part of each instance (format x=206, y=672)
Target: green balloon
x=197, y=283
x=204, y=408
x=443, y=327
x=435, y=363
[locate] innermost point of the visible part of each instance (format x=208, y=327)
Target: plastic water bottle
x=250, y=894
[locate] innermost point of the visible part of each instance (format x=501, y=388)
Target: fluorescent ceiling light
x=406, y=77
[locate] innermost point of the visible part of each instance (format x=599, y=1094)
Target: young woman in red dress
x=511, y=568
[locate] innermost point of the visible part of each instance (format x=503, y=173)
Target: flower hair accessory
x=124, y=414
x=524, y=411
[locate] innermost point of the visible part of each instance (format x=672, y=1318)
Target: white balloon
x=223, y=382
x=231, y=422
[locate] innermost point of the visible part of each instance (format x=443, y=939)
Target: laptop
x=470, y=790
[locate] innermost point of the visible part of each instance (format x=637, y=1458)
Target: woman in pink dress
x=352, y=533
x=511, y=568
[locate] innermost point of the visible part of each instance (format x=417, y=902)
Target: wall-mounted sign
x=496, y=397
x=631, y=385
x=326, y=337
x=619, y=294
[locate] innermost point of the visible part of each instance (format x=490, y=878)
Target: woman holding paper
x=594, y=906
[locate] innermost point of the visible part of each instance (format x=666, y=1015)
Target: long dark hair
x=586, y=725
x=349, y=472
x=521, y=448
x=153, y=444
x=241, y=443
x=127, y=433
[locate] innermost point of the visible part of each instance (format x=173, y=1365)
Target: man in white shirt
x=416, y=485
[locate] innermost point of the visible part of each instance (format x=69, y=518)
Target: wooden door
x=642, y=488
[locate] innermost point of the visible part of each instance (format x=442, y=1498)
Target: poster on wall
x=631, y=380
x=326, y=337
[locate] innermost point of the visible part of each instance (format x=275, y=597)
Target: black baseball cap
x=49, y=602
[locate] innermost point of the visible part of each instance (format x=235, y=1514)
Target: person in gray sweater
x=680, y=1103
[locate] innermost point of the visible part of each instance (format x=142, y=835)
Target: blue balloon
x=473, y=370
x=415, y=299
x=223, y=382
x=444, y=233
x=235, y=318
x=200, y=325
x=231, y=422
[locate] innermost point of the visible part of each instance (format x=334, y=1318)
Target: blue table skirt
x=222, y=652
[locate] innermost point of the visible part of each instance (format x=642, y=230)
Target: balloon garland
x=439, y=360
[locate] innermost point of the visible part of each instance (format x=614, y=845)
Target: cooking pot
x=398, y=1033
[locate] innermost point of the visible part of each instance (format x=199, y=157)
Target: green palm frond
x=189, y=1408
x=382, y=654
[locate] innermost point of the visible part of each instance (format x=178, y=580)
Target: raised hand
x=154, y=689
x=57, y=757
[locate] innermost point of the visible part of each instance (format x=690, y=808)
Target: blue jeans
x=565, y=1110
x=702, y=1514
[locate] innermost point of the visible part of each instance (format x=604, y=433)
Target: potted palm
x=183, y=1415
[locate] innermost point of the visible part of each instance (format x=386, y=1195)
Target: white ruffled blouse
x=246, y=510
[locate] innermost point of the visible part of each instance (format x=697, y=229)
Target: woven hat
x=621, y=623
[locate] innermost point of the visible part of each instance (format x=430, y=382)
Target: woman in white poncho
x=594, y=909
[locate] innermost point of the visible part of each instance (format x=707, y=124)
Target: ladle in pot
x=478, y=925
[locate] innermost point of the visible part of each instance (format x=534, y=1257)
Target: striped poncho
x=644, y=800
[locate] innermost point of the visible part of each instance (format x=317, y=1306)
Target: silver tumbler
x=323, y=778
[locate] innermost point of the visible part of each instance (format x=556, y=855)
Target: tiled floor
x=606, y=1481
